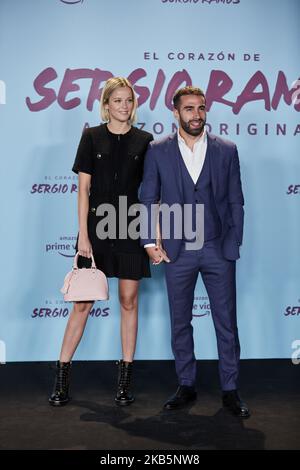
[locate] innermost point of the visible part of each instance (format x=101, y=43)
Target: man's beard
x=194, y=132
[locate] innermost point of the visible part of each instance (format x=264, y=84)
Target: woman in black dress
x=109, y=163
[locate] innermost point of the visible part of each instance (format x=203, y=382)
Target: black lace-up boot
x=60, y=395
x=124, y=395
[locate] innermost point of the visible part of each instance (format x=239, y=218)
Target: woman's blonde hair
x=110, y=86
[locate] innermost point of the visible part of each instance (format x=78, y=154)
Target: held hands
x=84, y=246
x=157, y=254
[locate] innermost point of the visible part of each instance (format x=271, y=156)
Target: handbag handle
x=76, y=259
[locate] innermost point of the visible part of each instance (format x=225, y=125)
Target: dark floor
x=271, y=388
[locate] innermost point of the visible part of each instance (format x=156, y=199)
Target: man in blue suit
x=197, y=169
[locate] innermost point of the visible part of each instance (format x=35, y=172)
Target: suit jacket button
x=93, y=209
x=136, y=157
x=99, y=155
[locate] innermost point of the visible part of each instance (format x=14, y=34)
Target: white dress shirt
x=193, y=159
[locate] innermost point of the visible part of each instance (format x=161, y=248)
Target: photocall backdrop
x=55, y=57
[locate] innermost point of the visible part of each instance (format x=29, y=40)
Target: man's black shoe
x=184, y=396
x=234, y=404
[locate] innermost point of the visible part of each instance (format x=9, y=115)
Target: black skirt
x=133, y=266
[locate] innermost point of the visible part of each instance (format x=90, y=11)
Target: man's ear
x=176, y=113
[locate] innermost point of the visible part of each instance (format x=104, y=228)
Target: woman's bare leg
x=128, y=296
x=74, y=329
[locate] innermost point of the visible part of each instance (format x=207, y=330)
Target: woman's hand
x=157, y=255
x=84, y=246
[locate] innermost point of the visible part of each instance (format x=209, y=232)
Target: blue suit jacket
x=162, y=182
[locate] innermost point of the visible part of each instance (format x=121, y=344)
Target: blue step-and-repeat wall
x=55, y=57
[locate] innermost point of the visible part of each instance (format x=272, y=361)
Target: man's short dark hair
x=187, y=90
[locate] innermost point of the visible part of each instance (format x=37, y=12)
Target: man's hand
x=157, y=254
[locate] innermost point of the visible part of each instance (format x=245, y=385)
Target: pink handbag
x=85, y=284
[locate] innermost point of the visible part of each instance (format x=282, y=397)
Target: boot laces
x=125, y=376
x=62, y=378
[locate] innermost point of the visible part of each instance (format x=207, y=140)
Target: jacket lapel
x=174, y=156
x=214, y=158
